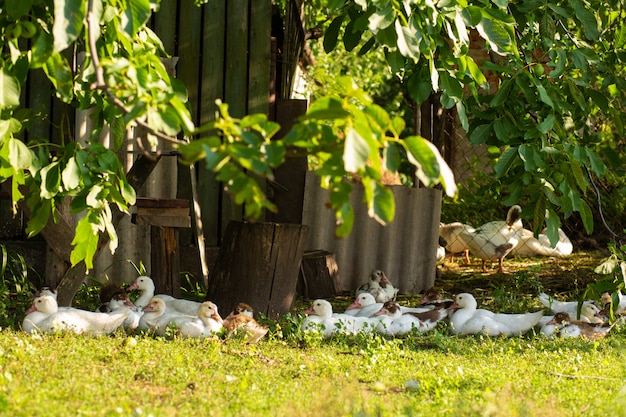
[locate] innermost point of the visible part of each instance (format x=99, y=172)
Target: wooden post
x=164, y=216
x=319, y=275
x=258, y=263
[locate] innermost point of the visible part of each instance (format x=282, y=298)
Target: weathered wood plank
x=260, y=56
x=211, y=88
x=258, y=263
x=319, y=275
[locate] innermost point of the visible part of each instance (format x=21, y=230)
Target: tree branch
x=101, y=85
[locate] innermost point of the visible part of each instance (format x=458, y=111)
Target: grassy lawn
x=292, y=374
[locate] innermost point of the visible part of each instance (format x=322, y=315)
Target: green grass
x=436, y=374
x=291, y=374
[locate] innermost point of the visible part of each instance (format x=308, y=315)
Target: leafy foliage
x=550, y=95
x=125, y=84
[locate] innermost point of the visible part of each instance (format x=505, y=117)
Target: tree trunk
x=258, y=264
x=319, y=275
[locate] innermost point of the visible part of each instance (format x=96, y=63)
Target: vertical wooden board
x=241, y=267
x=211, y=88
x=287, y=251
x=40, y=100
x=236, y=69
x=235, y=81
x=189, y=49
x=165, y=25
x=260, y=56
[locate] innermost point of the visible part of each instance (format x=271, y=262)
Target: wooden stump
x=258, y=264
x=319, y=275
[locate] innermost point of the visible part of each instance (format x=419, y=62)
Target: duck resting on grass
x=494, y=240
x=466, y=319
x=320, y=318
x=529, y=245
x=46, y=316
x=145, y=284
x=393, y=322
x=379, y=286
x=563, y=326
x=241, y=320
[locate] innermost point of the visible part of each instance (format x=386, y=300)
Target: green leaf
x=597, y=165
x=587, y=217
x=69, y=16
x=71, y=175
x=332, y=34
x=326, y=108
x=381, y=18
x=94, y=198
x=351, y=37
x=382, y=207
x=546, y=125
x=506, y=161
x=392, y=157
x=39, y=217
x=20, y=156
x=356, y=151
x=60, y=74
x=136, y=14
x=9, y=90
x=85, y=240
x=502, y=94
x=50, y=180
x=480, y=134
x=589, y=23
x=497, y=33
x=408, y=41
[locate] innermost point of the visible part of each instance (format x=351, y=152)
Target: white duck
x=467, y=319
x=120, y=302
x=395, y=323
x=563, y=326
x=379, y=286
x=156, y=318
x=589, y=313
x=529, y=245
x=146, y=285
x=241, y=319
x=365, y=305
x=556, y=306
x=455, y=242
x=320, y=317
x=46, y=316
x=494, y=240
x=207, y=323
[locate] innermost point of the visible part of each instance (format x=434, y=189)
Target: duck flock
x=155, y=313
x=496, y=239
x=374, y=310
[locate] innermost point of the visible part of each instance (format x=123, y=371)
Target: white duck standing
x=156, y=318
x=207, y=323
x=563, y=326
x=466, y=319
x=46, y=316
x=494, y=240
x=379, y=286
x=529, y=245
x=146, y=285
x=455, y=242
